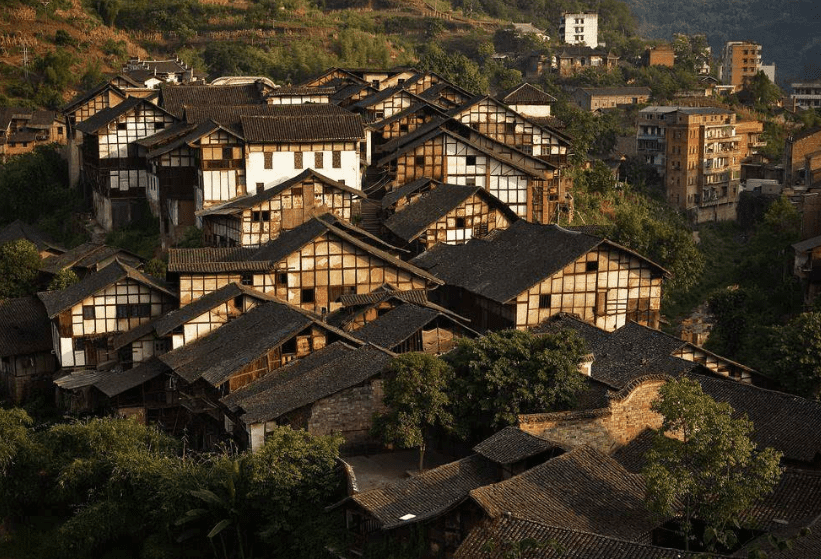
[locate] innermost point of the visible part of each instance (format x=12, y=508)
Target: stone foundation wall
x=604, y=429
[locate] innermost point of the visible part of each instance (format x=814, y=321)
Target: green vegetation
x=512, y=372
x=112, y=486
x=416, y=395
x=796, y=355
x=703, y=468
x=19, y=266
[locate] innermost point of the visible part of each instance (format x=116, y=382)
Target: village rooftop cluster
x=365, y=214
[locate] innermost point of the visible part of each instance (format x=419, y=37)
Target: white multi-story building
x=580, y=29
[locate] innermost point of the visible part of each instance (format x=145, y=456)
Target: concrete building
x=740, y=61
x=698, y=151
x=806, y=95
x=580, y=29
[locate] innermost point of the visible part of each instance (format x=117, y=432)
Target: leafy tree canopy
x=796, y=355
x=704, y=465
x=417, y=400
x=454, y=67
x=19, y=266
x=62, y=279
x=512, y=372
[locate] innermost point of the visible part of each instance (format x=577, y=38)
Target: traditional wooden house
x=133, y=87
x=177, y=98
x=298, y=95
x=117, y=175
x=446, y=213
x=22, y=129
x=404, y=122
x=410, y=327
x=446, y=95
x=192, y=167
x=227, y=359
x=88, y=258
x=27, y=359
x=566, y=492
x=153, y=73
x=528, y=100
x=252, y=221
x=347, y=93
x=186, y=324
x=335, y=390
x=89, y=103
x=310, y=266
x=422, y=81
x=520, y=276
x=86, y=316
x=284, y=143
x=492, y=118
x=20, y=230
x=385, y=104
x=334, y=76
x=523, y=182
x=432, y=499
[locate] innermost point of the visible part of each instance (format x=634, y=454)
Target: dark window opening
x=470, y=160
x=260, y=187
x=544, y=301
x=419, y=160
x=460, y=222
x=282, y=279
x=298, y=164
x=121, y=126
x=592, y=265
x=336, y=159
x=159, y=125
x=227, y=153
x=319, y=160
x=308, y=296
x=289, y=346
x=246, y=279
x=296, y=191
x=88, y=312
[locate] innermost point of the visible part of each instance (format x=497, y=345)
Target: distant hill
x=786, y=29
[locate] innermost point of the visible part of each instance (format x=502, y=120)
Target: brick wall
x=795, y=153
x=604, y=429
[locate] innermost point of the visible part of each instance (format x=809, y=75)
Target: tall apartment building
x=697, y=150
x=740, y=61
x=580, y=29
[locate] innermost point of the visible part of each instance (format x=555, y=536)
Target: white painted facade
x=271, y=168
x=580, y=29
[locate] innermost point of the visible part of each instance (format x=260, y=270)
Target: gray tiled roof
x=58, y=301
x=117, y=382
x=412, y=221
x=526, y=94
x=215, y=357
x=264, y=258
x=785, y=422
x=24, y=327
x=106, y=116
x=580, y=490
x=306, y=127
x=616, y=90
x=427, y=495
x=511, y=444
x=323, y=373
x=20, y=230
x=174, y=98
x=397, y=325
x=510, y=261
x=493, y=540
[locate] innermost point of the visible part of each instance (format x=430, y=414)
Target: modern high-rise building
x=740, y=61
x=580, y=29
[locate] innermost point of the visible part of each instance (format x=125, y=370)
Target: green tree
x=511, y=372
x=19, y=266
x=796, y=355
x=764, y=93
x=62, y=279
x=455, y=67
x=417, y=401
x=704, y=465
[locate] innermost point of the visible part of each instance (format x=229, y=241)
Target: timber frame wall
x=83, y=333
x=472, y=218
x=222, y=169
x=446, y=159
x=287, y=210
x=313, y=277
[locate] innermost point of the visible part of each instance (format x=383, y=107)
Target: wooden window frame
x=268, y=157
x=299, y=162
x=336, y=159
x=545, y=301
x=89, y=312
x=319, y=160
